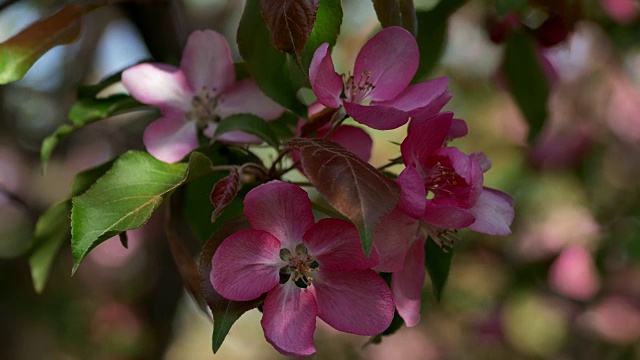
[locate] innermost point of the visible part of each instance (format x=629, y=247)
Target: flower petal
x=413, y=196
x=281, y=209
x=424, y=137
x=392, y=238
x=289, y=319
x=391, y=58
x=246, y=265
x=494, y=213
x=482, y=160
x=160, y=85
x=244, y=97
x=207, y=62
x=447, y=217
x=407, y=284
x=458, y=129
x=325, y=82
x=357, y=302
x=419, y=95
x=170, y=139
x=353, y=139
x=376, y=116
x=335, y=243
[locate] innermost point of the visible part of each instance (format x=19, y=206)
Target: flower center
x=300, y=266
x=442, y=180
x=204, y=107
x=445, y=238
x=356, y=91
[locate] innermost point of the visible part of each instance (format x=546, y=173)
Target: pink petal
x=335, y=243
x=407, y=284
x=469, y=170
x=458, y=129
x=447, y=217
x=391, y=58
x=325, y=82
x=418, y=95
x=281, y=209
x=433, y=107
x=170, y=139
x=413, y=196
x=207, y=62
x=357, y=302
x=425, y=137
x=160, y=85
x=482, y=160
x=494, y=213
x=246, y=265
x=289, y=319
x=392, y=238
x=353, y=139
x=376, y=116
x=244, y=97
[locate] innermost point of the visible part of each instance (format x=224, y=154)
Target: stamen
x=357, y=91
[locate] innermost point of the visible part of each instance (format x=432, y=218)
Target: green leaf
x=354, y=187
x=396, y=13
x=325, y=30
x=225, y=312
x=526, y=81
x=126, y=196
x=503, y=7
x=432, y=32
x=21, y=51
x=52, y=230
x=438, y=264
x=249, y=124
x=88, y=110
x=268, y=65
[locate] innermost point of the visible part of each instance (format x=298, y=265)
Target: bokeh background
x=564, y=285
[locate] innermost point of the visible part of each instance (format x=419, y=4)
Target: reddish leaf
x=18, y=53
x=290, y=22
x=224, y=191
x=355, y=188
x=225, y=312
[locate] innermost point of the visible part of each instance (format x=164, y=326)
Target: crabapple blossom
x=307, y=269
x=195, y=96
x=378, y=93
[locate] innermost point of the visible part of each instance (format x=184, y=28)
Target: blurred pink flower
x=622, y=11
x=573, y=274
x=615, y=318
x=308, y=269
x=378, y=93
x=195, y=96
x=623, y=116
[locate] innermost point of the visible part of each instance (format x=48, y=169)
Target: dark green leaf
x=325, y=30
x=225, y=312
x=52, y=230
x=352, y=186
x=83, y=181
x=396, y=13
x=268, y=65
x=126, y=196
x=526, y=80
x=249, y=124
x=432, y=31
x=438, y=264
x=503, y=7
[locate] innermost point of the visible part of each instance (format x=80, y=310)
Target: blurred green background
x=564, y=285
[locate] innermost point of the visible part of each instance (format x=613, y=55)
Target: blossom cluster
x=306, y=269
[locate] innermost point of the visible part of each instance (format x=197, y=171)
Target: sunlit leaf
x=269, y=66
x=224, y=191
x=354, y=187
x=126, y=196
x=225, y=312
x=438, y=264
x=249, y=124
x=325, y=30
x=20, y=52
x=290, y=23
x=397, y=13
x=526, y=81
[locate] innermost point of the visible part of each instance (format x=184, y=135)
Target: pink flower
x=441, y=190
x=378, y=93
x=308, y=269
x=574, y=274
x=195, y=96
